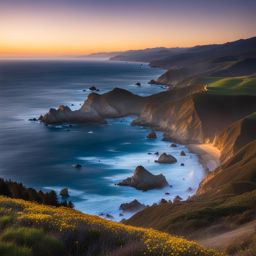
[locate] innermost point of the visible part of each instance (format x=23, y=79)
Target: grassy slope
x=231, y=201
x=31, y=229
x=245, y=85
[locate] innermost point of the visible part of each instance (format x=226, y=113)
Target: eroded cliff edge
x=187, y=115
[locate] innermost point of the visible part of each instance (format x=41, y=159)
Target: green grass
x=245, y=85
x=36, y=241
x=40, y=230
x=10, y=249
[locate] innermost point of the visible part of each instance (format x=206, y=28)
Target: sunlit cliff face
x=45, y=28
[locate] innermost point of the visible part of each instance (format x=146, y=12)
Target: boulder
x=77, y=166
x=134, y=205
x=152, y=135
x=173, y=145
x=166, y=159
x=64, y=192
x=93, y=88
x=152, y=82
x=138, y=84
x=144, y=180
x=177, y=199
x=182, y=164
x=109, y=216
x=190, y=189
x=182, y=153
x=33, y=119
x=163, y=201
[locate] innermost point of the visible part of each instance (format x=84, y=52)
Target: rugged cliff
x=235, y=136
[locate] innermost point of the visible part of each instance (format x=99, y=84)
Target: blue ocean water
x=42, y=157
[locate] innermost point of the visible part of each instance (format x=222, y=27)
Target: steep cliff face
x=236, y=176
x=235, y=136
x=217, y=112
x=116, y=103
x=177, y=117
x=189, y=114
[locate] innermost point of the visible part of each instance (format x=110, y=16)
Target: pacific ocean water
x=42, y=157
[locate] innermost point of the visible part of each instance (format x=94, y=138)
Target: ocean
x=42, y=156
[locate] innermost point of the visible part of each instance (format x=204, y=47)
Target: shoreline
x=208, y=155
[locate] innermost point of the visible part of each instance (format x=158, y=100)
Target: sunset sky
x=74, y=27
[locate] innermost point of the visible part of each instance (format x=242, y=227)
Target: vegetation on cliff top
x=243, y=85
x=31, y=229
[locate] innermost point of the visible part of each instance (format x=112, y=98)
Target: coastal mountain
x=184, y=64
x=148, y=55
x=199, y=107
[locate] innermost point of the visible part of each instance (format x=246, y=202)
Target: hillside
x=31, y=229
x=200, y=107
x=183, y=65
x=225, y=200
x=244, y=85
x=240, y=68
x=147, y=55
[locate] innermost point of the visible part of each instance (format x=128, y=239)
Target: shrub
x=36, y=239
x=4, y=221
x=244, y=246
x=135, y=248
x=10, y=249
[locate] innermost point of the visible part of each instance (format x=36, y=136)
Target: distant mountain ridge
x=235, y=58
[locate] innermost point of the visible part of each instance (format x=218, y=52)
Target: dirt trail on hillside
x=222, y=240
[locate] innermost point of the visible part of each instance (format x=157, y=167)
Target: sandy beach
x=209, y=156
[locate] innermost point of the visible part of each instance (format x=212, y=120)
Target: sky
x=77, y=27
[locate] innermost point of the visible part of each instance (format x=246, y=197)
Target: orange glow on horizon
x=29, y=33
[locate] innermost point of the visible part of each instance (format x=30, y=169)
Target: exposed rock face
x=65, y=115
x=116, y=103
x=144, y=180
x=97, y=108
x=235, y=136
x=166, y=159
x=152, y=135
x=173, y=112
x=134, y=205
x=187, y=115
x=237, y=175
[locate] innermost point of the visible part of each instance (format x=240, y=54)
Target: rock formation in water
x=144, y=180
x=132, y=206
x=152, y=135
x=166, y=159
x=65, y=115
x=97, y=108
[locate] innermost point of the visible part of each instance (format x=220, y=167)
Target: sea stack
x=166, y=159
x=144, y=180
x=152, y=135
